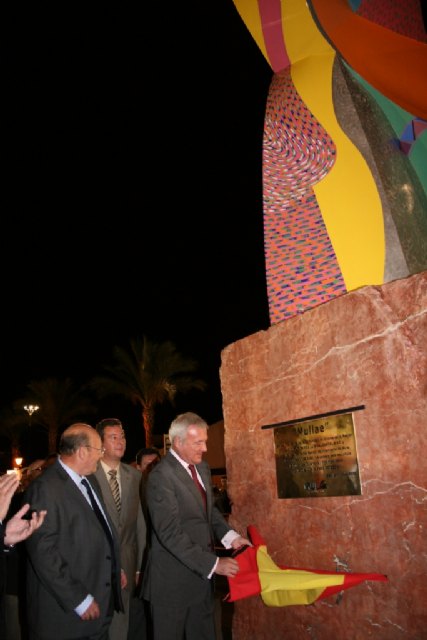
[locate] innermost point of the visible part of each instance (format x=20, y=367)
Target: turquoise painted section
x=418, y=157
x=399, y=120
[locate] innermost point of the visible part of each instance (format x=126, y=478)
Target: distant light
x=31, y=408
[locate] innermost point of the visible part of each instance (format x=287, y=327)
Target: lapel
x=205, y=474
x=185, y=478
x=124, y=482
x=71, y=487
x=95, y=483
x=77, y=494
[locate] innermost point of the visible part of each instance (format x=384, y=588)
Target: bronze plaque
x=317, y=458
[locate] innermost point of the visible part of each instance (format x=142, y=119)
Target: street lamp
x=31, y=408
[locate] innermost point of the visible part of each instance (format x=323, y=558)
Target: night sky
x=132, y=193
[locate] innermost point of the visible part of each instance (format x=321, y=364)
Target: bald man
x=74, y=576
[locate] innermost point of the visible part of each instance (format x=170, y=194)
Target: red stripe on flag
x=247, y=582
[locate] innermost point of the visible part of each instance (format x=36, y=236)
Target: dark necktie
x=98, y=511
x=115, y=489
x=115, y=573
x=197, y=483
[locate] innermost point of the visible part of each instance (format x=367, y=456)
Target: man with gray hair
x=182, y=563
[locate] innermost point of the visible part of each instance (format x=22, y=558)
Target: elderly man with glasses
x=74, y=577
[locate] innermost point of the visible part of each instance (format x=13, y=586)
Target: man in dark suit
x=74, y=578
x=140, y=617
x=13, y=530
x=146, y=460
x=127, y=515
x=185, y=525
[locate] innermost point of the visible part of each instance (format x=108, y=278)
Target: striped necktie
x=115, y=489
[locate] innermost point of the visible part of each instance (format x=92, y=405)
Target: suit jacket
x=183, y=535
x=69, y=557
x=130, y=523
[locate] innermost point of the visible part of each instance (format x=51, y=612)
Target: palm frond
x=147, y=373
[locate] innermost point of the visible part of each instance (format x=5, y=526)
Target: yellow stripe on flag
x=282, y=587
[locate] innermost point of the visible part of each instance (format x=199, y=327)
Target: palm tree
x=60, y=404
x=148, y=374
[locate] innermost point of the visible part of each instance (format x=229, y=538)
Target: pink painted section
x=271, y=20
x=301, y=265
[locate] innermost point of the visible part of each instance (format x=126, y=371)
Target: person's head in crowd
x=147, y=458
x=113, y=439
x=80, y=448
x=36, y=468
x=31, y=472
x=188, y=434
x=50, y=459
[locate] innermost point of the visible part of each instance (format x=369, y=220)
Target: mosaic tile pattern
x=401, y=16
x=302, y=269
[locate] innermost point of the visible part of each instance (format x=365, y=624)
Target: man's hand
x=123, y=579
x=227, y=567
x=92, y=612
x=18, y=529
x=9, y=482
x=240, y=541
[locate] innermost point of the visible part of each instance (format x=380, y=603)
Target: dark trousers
x=103, y=635
x=139, y=620
x=192, y=623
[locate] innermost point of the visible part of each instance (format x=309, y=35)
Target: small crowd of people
x=116, y=551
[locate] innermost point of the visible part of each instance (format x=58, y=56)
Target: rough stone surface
x=367, y=347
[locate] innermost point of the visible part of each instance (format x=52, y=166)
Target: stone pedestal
x=367, y=347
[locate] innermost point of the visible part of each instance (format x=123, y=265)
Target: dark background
x=132, y=191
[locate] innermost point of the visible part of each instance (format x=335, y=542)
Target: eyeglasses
x=102, y=450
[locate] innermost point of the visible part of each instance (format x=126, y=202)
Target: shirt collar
x=180, y=460
x=107, y=469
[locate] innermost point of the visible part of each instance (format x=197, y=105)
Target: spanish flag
x=281, y=586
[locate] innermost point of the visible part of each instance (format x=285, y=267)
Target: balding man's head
x=80, y=448
x=75, y=436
